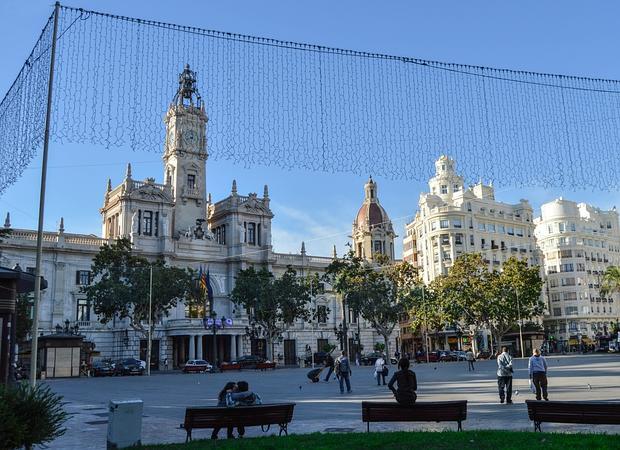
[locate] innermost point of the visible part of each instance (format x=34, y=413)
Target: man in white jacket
x=380, y=370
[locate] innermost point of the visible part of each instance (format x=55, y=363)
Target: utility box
x=124, y=423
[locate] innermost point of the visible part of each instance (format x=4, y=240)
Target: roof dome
x=371, y=214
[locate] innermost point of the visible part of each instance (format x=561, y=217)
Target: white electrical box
x=124, y=423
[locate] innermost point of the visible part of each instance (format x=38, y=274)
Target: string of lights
x=300, y=106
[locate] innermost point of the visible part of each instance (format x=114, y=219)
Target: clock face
x=190, y=138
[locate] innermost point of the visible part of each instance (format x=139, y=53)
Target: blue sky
x=578, y=38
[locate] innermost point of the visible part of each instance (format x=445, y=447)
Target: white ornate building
x=176, y=220
x=452, y=220
x=578, y=242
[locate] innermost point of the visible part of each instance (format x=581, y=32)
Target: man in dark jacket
x=329, y=363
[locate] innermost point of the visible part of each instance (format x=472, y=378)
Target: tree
x=464, y=292
x=515, y=296
x=611, y=281
x=122, y=282
x=425, y=309
x=377, y=290
x=273, y=304
x=23, y=307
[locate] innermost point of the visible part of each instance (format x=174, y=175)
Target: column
x=233, y=347
x=199, y=354
x=192, y=346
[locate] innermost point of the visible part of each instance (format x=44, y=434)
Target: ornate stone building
x=372, y=228
x=176, y=220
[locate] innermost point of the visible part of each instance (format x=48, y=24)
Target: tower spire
x=187, y=89
x=7, y=221
x=234, y=188
x=128, y=173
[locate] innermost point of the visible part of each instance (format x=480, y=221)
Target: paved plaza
x=321, y=407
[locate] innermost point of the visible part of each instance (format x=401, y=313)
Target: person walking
x=380, y=370
x=407, y=384
x=537, y=366
x=343, y=372
x=469, y=356
x=329, y=363
x=504, y=376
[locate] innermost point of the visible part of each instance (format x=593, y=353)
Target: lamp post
x=213, y=323
x=520, y=324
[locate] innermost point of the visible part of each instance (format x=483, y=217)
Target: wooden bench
x=420, y=412
x=250, y=416
x=227, y=366
x=265, y=365
x=595, y=413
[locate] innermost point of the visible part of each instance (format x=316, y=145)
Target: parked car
x=102, y=369
x=432, y=357
x=197, y=365
x=128, y=366
x=484, y=355
x=461, y=355
x=446, y=356
x=319, y=358
x=249, y=361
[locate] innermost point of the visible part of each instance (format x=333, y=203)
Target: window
x=83, y=277
x=443, y=223
x=519, y=231
x=191, y=181
x=571, y=311
x=566, y=267
x=553, y=282
x=557, y=311
x=147, y=222
x=491, y=227
x=252, y=233
x=471, y=240
x=219, y=234
x=456, y=223
x=456, y=188
x=434, y=225
x=570, y=296
x=510, y=230
x=481, y=226
x=444, y=189
x=554, y=297
x=444, y=239
x=458, y=239
x=501, y=228
x=83, y=310
x=469, y=206
x=562, y=227
x=482, y=242
x=258, y=235
x=378, y=247
x=568, y=281
x=321, y=314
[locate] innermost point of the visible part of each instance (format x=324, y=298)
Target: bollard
x=124, y=424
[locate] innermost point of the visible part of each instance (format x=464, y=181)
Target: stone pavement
x=321, y=407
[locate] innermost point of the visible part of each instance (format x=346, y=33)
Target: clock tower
x=185, y=154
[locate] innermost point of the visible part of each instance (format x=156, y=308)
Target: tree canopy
x=121, y=285
x=273, y=304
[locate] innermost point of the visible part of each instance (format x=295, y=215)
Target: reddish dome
x=374, y=213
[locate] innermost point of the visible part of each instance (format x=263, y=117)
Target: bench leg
x=189, y=435
x=367, y=427
x=283, y=427
x=537, y=426
x=460, y=426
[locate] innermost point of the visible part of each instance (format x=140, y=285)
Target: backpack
x=342, y=366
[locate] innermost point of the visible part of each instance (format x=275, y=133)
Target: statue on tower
x=187, y=89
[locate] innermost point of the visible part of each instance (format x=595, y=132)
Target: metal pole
x=520, y=330
x=46, y=139
x=150, y=341
x=425, y=325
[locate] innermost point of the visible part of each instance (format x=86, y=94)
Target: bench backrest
x=604, y=413
x=420, y=411
x=207, y=417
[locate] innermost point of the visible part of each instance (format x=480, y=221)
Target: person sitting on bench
x=407, y=384
x=242, y=396
x=221, y=401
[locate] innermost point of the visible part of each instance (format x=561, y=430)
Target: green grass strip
x=475, y=440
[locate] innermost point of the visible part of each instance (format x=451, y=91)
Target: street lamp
x=520, y=323
x=213, y=323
